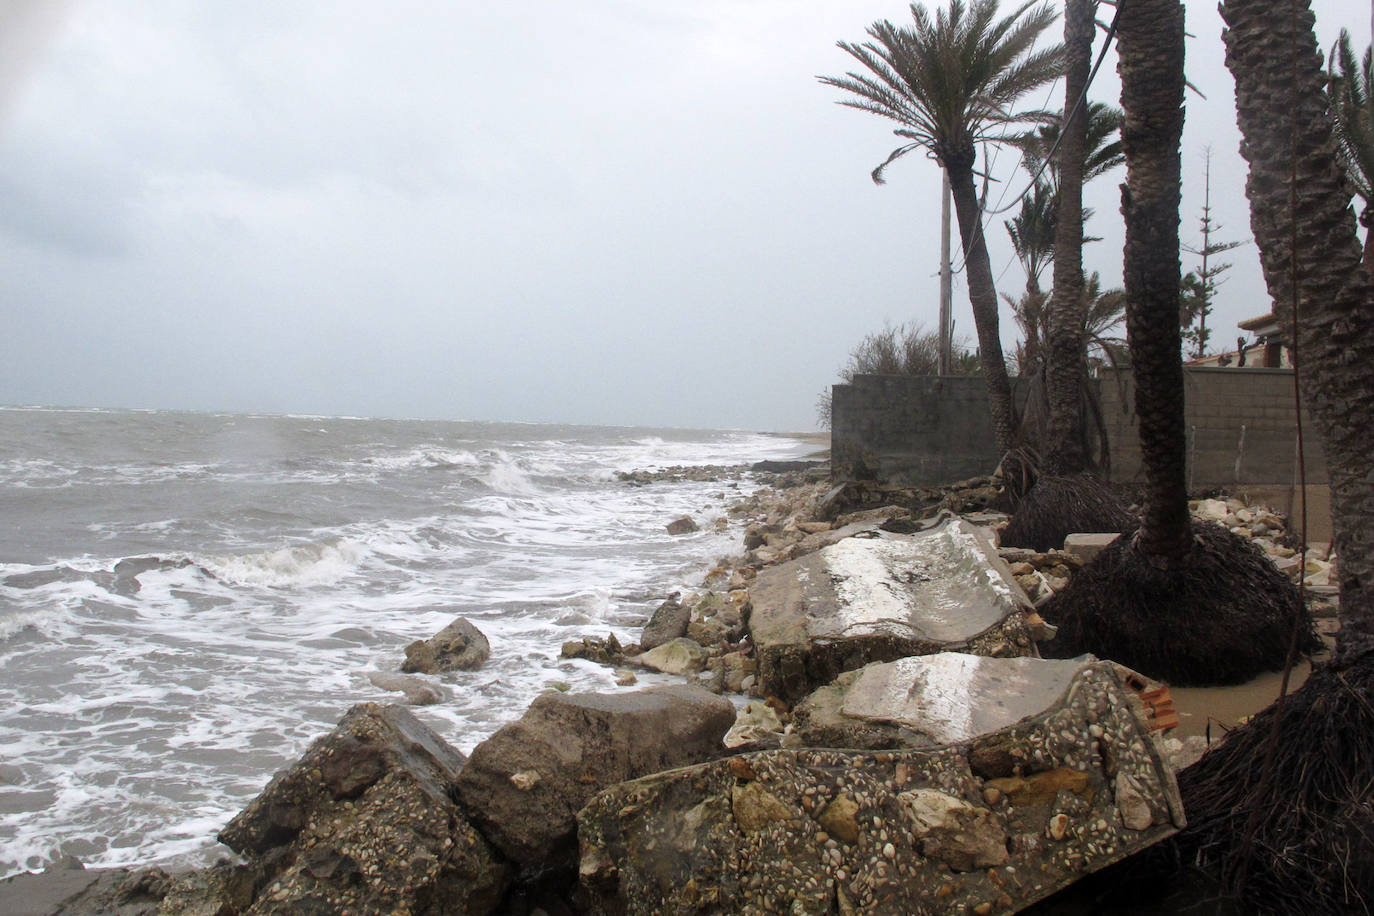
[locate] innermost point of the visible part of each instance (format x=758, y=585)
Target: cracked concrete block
x=1087, y=545
x=991, y=822
x=882, y=597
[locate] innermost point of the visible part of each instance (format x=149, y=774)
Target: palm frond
x=951, y=77
x=1350, y=90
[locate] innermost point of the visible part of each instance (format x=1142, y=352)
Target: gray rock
x=460, y=646
x=525, y=784
x=220, y=890
x=668, y=622
x=880, y=597
x=67, y=887
x=417, y=690
x=606, y=651
x=683, y=525
x=715, y=619
x=679, y=656
x=989, y=824
x=365, y=822
x=755, y=722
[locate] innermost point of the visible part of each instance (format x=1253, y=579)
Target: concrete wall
x=923, y=431
x=911, y=430
x=1241, y=425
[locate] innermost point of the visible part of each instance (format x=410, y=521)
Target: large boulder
x=881, y=597
x=460, y=646
x=365, y=822
x=988, y=824
x=683, y=525
x=525, y=784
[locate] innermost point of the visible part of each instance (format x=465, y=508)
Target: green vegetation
x=952, y=81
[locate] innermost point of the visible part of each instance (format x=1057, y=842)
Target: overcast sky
x=610, y=211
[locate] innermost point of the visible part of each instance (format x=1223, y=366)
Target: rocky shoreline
x=553, y=813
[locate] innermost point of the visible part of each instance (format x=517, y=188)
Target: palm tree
x=1032, y=229
x=1282, y=807
x=1032, y=232
x=1102, y=151
x=1350, y=88
x=1182, y=602
x=1151, y=66
x=1106, y=309
x=951, y=81
x=1064, y=375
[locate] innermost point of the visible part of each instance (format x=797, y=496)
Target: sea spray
x=271, y=564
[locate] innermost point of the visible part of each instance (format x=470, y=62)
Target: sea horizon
x=188, y=598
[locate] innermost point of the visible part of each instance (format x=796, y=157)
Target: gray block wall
x=911, y=430
x=1241, y=426
x=924, y=431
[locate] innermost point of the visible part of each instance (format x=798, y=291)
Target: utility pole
x=946, y=277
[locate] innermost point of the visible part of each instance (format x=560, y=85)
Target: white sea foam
x=301, y=566
x=271, y=566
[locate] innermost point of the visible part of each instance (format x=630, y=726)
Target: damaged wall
x=913, y=430
x=925, y=431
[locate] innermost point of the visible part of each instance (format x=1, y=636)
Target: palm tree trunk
x=1367, y=221
x=1064, y=376
x=982, y=294
x=1150, y=45
x=1305, y=228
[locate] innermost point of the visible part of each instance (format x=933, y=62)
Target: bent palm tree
x=951, y=81
x=1350, y=87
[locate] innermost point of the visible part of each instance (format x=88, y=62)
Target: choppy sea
x=188, y=600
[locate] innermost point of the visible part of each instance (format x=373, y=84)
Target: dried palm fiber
x=1282, y=810
x=1223, y=617
x=1059, y=506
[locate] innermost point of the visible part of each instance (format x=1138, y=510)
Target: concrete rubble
x=324, y=835
x=924, y=701
x=912, y=754
x=882, y=597
x=524, y=785
x=1009, y=809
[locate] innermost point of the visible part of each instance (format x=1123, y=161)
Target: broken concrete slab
x=990, y=824
x=1088, y=544
x=365, y=821
x=524, y=785
x=923, y=701
x=881, y=597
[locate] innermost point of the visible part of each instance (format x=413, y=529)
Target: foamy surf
x=178, y=623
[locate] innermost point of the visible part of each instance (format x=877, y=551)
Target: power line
x=1048, y=97
x=1080, y=105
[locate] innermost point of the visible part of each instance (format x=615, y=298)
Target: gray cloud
x=616, y=211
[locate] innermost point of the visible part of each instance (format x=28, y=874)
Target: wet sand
x=1212, y=711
